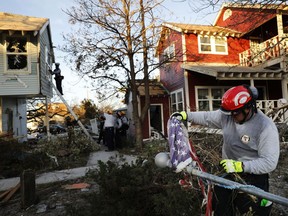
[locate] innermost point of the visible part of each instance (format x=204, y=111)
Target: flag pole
x=235, y=185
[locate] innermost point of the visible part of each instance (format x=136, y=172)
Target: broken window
x=169, y=52
x=16, y=51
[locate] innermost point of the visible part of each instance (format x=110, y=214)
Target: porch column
x=279, y=24
x=47, y=119
x=284, y=84
x=186, y=90
x=252, y=82
x=186, y=86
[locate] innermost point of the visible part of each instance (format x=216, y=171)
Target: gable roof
x=246, y=16
x=201, y=29
x=15, y=22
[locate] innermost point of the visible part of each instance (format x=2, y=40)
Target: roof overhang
x=236, y=72
x=156, y=88
x=15, y=22
x=201, y=29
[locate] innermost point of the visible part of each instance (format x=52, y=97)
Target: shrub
x=139, y=189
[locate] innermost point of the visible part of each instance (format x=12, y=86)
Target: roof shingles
x=16, y=22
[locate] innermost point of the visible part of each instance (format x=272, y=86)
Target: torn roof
x=15, y=22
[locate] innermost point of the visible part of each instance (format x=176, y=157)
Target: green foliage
x=139, y=189
x=90, y=108
x=77, y=151
x=16, y=157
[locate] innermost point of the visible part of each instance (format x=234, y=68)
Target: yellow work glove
x=182, y=116
x=231, y=166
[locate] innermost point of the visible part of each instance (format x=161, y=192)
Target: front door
x=156, y=120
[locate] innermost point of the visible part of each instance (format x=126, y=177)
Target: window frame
x=27, y=69
x=177, y=102
x=210, y=99
x=169, y=52
x=48, y=61
x=212, y=43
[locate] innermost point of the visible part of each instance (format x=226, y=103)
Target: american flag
x=179, y=144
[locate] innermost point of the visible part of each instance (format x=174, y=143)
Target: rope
x=235, y=187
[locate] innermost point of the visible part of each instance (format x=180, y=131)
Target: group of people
x=250, y=144
x=113, y=129
x=250, y=149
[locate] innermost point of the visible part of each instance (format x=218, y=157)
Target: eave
x=15, y=22
x=202, y=29
x=236, y=72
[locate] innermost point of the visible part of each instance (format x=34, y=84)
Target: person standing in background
x=119, y=131
x=101, y=130
x=109, y=130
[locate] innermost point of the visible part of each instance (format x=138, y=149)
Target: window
x=209, y=98
x=227, y=14
x=177, y=101
x=16, y=53
x=48, y=60
x=213, y=45
x=169, y=52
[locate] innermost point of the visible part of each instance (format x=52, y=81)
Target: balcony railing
x=269, y=49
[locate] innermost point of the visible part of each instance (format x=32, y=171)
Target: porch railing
x=269, y=49
x=277, y=110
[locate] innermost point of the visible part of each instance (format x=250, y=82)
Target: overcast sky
x=74, y=88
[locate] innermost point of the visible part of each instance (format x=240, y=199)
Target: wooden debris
x=6, y=196
x=76, y=186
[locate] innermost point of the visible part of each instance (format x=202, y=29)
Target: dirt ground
x=52, y=200
x=279, y=181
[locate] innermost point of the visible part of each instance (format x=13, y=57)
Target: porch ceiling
x=155, y=89
x=236, y=72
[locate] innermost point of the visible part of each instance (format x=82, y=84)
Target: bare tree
x=36, y=111
x=114, y=46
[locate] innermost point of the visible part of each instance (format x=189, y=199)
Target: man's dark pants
x=225, y=201
x=109, y=138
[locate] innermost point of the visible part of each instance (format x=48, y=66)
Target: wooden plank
x=5, y=193
x=11, y=193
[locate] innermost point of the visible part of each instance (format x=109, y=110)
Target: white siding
x=19, y=83
x=37, y=81
x=14, y=117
